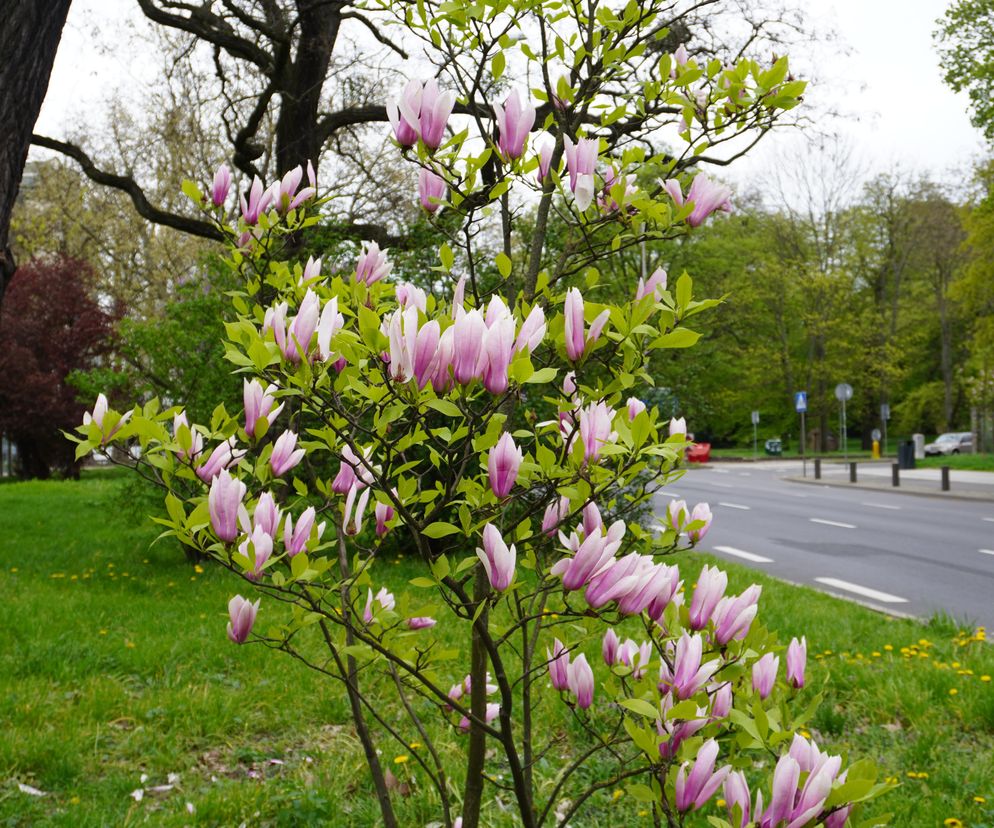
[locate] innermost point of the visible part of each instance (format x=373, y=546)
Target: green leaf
x=440, y=529
x=497, y=65
x=422, y=582
x=677, y=338
x=640, y=792
x=450, y=409
x=446, y=256
x=640, y=706
x=543, y=375
x=192, y=191
x=684, y=290
x=503, y=265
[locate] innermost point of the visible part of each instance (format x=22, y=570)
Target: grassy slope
x=115, y=664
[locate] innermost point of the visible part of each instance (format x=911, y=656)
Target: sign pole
x=804, y=440
x=845, y=440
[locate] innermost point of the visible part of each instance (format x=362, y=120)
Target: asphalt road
x=897, y=552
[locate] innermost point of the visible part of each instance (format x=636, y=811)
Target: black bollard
x=817, y=468
x=895, y=474
x=945, y=478
x=852, y=472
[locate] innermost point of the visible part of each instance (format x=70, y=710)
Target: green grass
x=115, y=664
x=968, y=462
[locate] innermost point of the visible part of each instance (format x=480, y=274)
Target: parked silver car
x=954, y=442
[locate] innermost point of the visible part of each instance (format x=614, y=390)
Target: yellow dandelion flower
x=953, y=691
x=617, y=794
x=955, y=665
x=952, y=822
x=805, y=734
x=985, y=678
x=643, y=813
x=198, y=569
x=721, y=803
x=875, y=654
x=13, y=569
x=74, y=800
x=414, y=745
x=103, y=632
x=400, y=760
x=888, y=647
x=979, y=800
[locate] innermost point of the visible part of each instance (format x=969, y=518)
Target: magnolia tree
x=487, y=421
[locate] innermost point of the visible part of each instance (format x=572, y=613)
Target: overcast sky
x=889, y=83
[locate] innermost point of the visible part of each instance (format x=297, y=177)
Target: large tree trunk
x=29, y=37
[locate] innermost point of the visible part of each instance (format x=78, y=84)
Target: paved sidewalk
x=963, y=484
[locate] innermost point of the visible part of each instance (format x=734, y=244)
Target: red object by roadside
x=699, y=453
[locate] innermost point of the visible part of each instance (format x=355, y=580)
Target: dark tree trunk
x=30, y=31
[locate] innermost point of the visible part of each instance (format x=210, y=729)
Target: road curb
x=874, y=487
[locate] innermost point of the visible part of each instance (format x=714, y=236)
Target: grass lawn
x=115, y=667
x=969, y=462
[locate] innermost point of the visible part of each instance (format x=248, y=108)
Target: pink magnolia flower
x=495, y=355
x=224, y=456
x=285, y=454
x=514, y=122
x=384, y=514
x=259, y=200
x=581, y=160
x=224, y=501
x=266, y=516
x=676, y=515
x=408, y=294
x=222, y=183
x=405, y=126
x=384, y=598
x=689, y=674
x=425, y=351
x=609, y=647
x=692, y=791
x=595, y=429
x=732, y=617
x=678, y=427
x=420, y=622
x=431, y=190
x=555, y=513
x=331, y=322
x=402, y=331
x=493, y=711
x=558, y=661
x=580, y=680
x=468, y=334
x=573, y=325
x=764, y=674
x=296, y=538
x=532, y=331
x=711, y=584
x=654, y=287
x=196, y=438
x=704, y=194
x=242, y=613
x=591, y=557
x=736, y=793
x=355, y=527
x=797, y=656
x=312, y=270
x=258, y=548
x=497, y=558
x=100, y=409
x=436, y=106
x=503, y=463
x=258, y=403
x=635, y=407
x=545, y=149
x=373, y=264
x=701, y=512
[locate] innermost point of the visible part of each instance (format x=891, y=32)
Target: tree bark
x=29, y=38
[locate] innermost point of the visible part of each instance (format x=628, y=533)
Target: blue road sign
x=801, y=401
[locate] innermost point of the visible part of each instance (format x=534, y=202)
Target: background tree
x=29, y=37
x=50, y=326
x=965, y=39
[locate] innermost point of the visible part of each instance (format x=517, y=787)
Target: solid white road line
x=720, y=471
x=866, y=592
x=832, y=523
x=674, y=495
x=989, y=520
x=735, y=506
x=986, y=551
x=880, y=505
x=722, y=485
x=741, y=553
x=745, y=474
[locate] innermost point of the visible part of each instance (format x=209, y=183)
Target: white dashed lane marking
x=866, y=592
x=735, y=506
x=741, y=553
x=880, y=505
x=832, y=523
